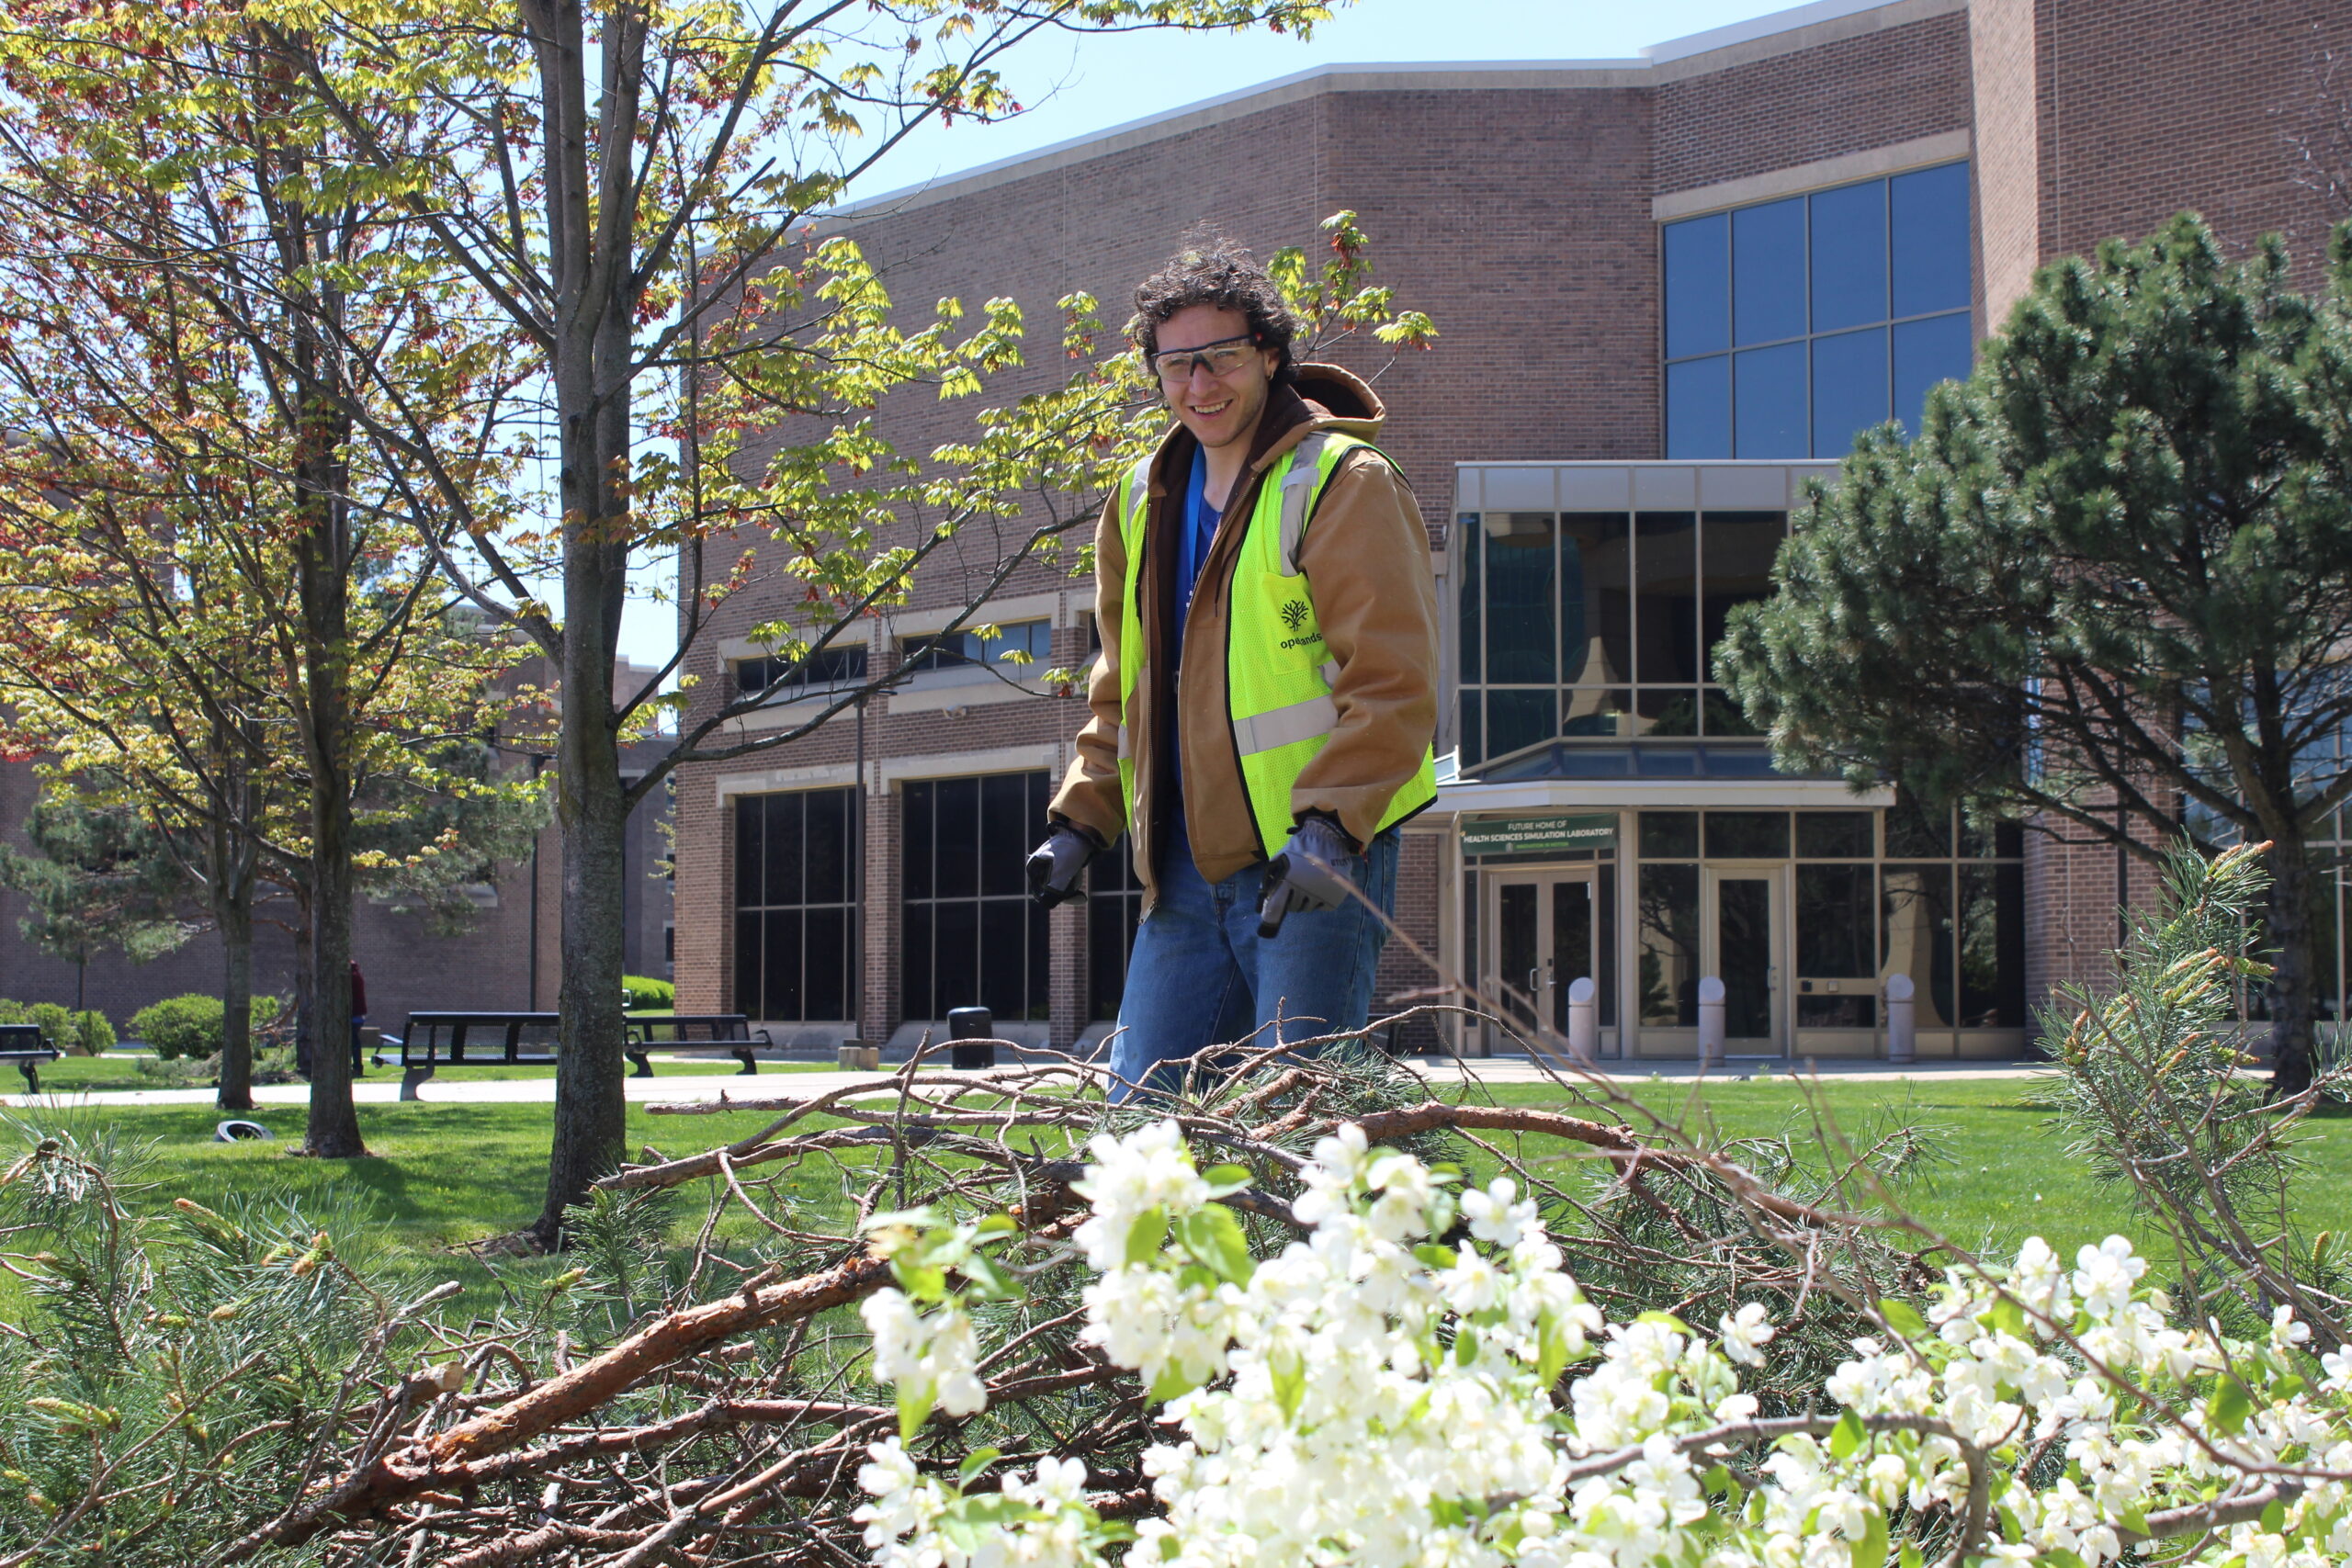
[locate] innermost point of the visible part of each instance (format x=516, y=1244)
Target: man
x=1270, y=565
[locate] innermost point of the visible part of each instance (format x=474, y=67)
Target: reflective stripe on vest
x=1279, y=676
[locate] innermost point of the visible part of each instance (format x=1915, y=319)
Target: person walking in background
x=358, y=1017
x=1270, y=564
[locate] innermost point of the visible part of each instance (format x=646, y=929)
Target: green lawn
x=2002, y=1172
x=441, y=1177
x=119, y=1070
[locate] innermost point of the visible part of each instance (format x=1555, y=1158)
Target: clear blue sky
x=1076, y=85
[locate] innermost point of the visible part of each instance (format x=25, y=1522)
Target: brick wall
x=1874, y=89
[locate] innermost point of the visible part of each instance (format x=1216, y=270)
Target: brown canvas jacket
x=1367, y=561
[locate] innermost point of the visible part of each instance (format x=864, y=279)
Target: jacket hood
x=1328, y=398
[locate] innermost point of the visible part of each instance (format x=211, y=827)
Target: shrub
x=56, y=1024
x=12, y=1012
x=643, y=992
x=93, y=1034
x=191, y=1025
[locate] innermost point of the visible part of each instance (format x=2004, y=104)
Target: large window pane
x=1937, y=349
x=970, y=938
x=1736, y=553
x=826, y=859
x=1748, y=835
x=1669, y=900
x=1849, y=257
x=1769, y=402
x=1929, y=213
x=1522, y=597
x=1992, y=946
x=1666, y=598
x=1670, y=835
x=1697, y=409
x=1113, y=908
x=1835, y=924
x=1848, y=388
x=955, y=837
x=795, y=890
x=1472, y=736
x=1768, y=271
x=1835, y=835
x=1516, y=719
x=1598, y=711
x=785, y=846
x=1915, y=935
x=1698, y=286
x=1596, y=599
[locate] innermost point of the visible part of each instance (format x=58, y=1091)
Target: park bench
x=731, y=1031
x=21, y=1043
x=437, y=1041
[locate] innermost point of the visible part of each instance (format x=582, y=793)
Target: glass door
x=1740, y=937
x=1546, y=939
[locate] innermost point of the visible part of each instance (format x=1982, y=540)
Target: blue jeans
x=1200, y=975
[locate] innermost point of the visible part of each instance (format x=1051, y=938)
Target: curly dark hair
x=1215, y=269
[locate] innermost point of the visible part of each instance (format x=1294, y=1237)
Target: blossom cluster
x=1418, y=1379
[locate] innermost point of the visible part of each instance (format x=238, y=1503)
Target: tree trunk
x=234, y=915
x=2294, y=994
x=306, y=991
x=590, y=367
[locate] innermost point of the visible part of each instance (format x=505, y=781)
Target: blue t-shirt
x=1197, y=531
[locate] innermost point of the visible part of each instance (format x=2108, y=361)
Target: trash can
x=971, y=1024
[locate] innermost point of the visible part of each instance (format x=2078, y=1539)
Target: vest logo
x=1294, y=614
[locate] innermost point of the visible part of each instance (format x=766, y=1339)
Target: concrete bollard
x=857, y=1057
x=1584, y=1021
x=1902, y=1019
x=1711, y=1022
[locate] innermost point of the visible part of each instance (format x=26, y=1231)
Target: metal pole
x=538, y=761
x=857, y=935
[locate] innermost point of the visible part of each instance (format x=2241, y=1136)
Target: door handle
x=1531, y=986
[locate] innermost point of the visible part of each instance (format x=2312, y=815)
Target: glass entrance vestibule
x=1801, y=914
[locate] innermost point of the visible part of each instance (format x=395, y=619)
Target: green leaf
x=914, y=1408
x=1435, y=1255
x=1848, y=1437
x=1870, y=1550
x=1225, y=1178
x=1147, y=1235
x=1664, y=1320
x=1721, y=1482
x=1910, y=1557
x=1170, y=1384
x=2229, y=1407
x=975, y=1462
x=2009, y=1318
x=1215, y=1236
x=1902, y=1317
x=2274, y=1516
x=1289, y=1377
x=987, y=1279
x=995, y=1225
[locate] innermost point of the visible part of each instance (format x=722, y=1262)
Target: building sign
x=1537, y=835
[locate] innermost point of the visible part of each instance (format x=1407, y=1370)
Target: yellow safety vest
x=1278, y=674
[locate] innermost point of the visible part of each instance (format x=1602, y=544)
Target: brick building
x=1669, y=289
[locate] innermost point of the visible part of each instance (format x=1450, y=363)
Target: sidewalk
x=456, y=1089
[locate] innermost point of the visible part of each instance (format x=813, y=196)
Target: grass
x=2001, y=1171
x=118, y=1070
x=441, y=1177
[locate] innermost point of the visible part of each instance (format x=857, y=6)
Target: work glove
x=1056, y=865
x=1308, y=875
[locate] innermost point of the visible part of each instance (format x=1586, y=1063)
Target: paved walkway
x=383, y=1089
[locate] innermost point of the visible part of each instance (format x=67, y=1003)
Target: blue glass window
x=1793, y=325
x=1698, y=408
x=1930, y=233
x=1698, y=286
x=1768, y=393
x=1849, y=257
x=1849, y=371
x=1933, y=349
x=1768, y=271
